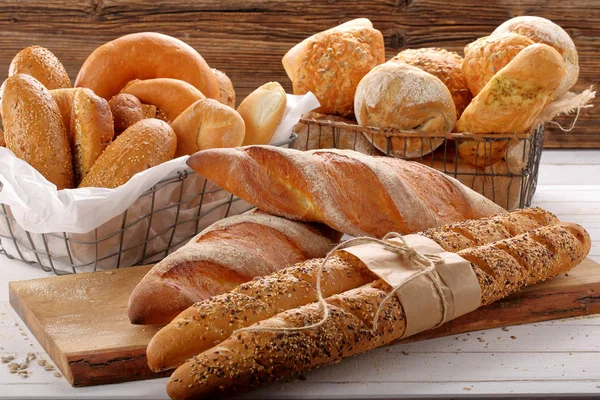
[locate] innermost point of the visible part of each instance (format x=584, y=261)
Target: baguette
x=252, y=358
x=200, y=326
x=326, y=186
x=226, y=254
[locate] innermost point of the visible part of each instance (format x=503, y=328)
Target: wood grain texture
x=81, y=319
x=247, y=39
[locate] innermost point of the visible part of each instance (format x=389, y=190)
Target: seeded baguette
x=252, y=358
x=201, y=326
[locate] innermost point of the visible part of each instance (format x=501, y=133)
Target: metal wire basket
x=502, y=167
x=162, y=219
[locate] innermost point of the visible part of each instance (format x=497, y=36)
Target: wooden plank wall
x=247, y=39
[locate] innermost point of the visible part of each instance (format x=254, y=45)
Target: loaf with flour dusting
x=205, y=323
x=252, y=358
x=226, y=254
x=352, y=192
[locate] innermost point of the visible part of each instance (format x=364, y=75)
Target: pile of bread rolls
x=138, y=101
x=500, y=86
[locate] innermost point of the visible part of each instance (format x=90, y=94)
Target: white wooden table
x=560, y=358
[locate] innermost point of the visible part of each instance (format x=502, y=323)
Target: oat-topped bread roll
x=224, y=255
x=488, y=55
x=328, y=186
x=510, y=101
x=331, y=63
x=252, y=358
x=200, y=326
x=444, y=65
x=43, y=65
x=542, y=30
x=403, y=97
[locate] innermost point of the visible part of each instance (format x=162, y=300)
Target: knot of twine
x=426, y=264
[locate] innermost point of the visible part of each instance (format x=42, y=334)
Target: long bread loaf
x=252, y=358
x=353, y=193
x=226, y=254
x=201, y=326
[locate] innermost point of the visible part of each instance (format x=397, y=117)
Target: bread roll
x=126, y=110
x=208, y=124
x=34, y=129
x=2, y=142
x=330, y=64
x=40, y=63
x=226, y=90
x=488, y=55
x=510, y=101
x=143, y=145
x=145, y=55
x=171, y=96
x=311, y=137
x=230, y=252
x=542, y=30
x=445, y=65
x=403, y=97
x=262, y=111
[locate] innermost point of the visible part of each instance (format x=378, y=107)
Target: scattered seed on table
x=41, y=362
x=57, y=374
x=49, y=368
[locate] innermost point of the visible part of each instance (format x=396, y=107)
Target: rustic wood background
x=247, y=39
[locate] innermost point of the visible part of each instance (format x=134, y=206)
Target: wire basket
x=161, y=220
x=502, y=167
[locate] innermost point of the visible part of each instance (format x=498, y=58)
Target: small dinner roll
x=262, y=111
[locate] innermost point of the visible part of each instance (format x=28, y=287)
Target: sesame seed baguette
x=203, y=325
x=251, y=358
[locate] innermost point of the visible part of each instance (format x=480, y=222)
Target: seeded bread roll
x=445, y=65
x=126, y=110
x=330, y=64
x=400, y=96
x=488, y=55
x=542, y=30
x=34, y=129
x=200, y=326
x=40, y=63
x=262, y=111
x=2, y=142
x=252, y=358
x=226, y=90
x=143, y=145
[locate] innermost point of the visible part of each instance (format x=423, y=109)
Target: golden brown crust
x=488, y=55
x=40, y=63
x=262, y=111
x=208, y=124
x=171, y=96
x=64, y=101
x=143, y=145
x=400, y=96
x=445, y=65
x=2, y=142
x=226, y=90
x=145, y=55
x=126, y=110
x=34, y=129
x=330, y=64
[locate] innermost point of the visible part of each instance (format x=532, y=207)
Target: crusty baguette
x=251, y=358
x=43, y=65
x=327, y=186
x=200, y=326
x=34, y=129
x=224, y=255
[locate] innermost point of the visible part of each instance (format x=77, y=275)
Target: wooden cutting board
x=81, y=319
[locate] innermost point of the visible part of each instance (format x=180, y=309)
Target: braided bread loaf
x=200, y=326
x=251, y=358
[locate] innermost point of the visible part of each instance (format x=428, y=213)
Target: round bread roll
x=34, y=129
x=126, y=110
x=330, y=64
x=171, y=96
x=445, y=65
x=262, y=111
x=542, y=30
x=145, y=55
x=226, y=90
x=208, y=124
x=143, y=145
x=488, y=55
x=400, y=96
x=40, y=63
